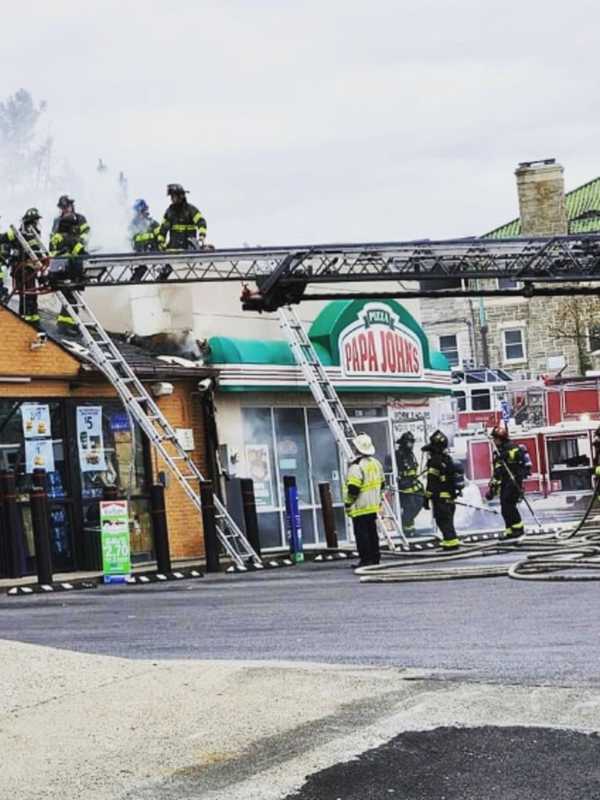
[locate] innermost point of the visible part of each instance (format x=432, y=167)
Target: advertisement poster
x=114, y=532
x=89, y=439
x=36, y=420
x=259, y=469
x=39, y=454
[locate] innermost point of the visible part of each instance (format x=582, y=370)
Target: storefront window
x=107, y=453
x=324, y=452
x=259, y=453
x=292, y=452
x=298, y=442
x=32, y=437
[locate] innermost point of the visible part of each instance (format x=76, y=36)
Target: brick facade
x=52, y=372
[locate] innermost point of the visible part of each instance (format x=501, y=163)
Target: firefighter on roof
x=183, y=224
x=445, y=482
x=70, y=233
x=144, y=231
x=23, y=271
x=410, y=488
x=511, y=466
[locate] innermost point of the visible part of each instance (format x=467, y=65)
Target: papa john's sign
x=378, y=344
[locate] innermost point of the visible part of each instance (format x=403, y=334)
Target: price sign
x=114, y=532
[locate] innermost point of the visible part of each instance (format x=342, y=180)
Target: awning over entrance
x=366, y=346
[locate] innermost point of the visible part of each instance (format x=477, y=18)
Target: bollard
x=3, y=539
x=211, y=542
x=292, y=514
x=40, y=518
x=11, y=523
x=159, y=527
x=328, y=516
x=250, y=515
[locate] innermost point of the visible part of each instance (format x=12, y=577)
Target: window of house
x=449, y=347
x=509, y=283
x=594, y=338
x=514, y=344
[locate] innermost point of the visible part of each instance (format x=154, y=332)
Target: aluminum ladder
x=331, y=407
x=142, y=407
x=105, y=355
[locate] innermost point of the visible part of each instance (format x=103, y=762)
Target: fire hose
x=572, y=555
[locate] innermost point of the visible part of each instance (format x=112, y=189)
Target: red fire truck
x=554, y=418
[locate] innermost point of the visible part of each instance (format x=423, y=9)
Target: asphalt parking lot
x=493, y=629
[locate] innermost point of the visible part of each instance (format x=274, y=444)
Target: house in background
x=519, y=335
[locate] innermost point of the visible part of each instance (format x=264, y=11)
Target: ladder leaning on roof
x=105, y=355
x=331, y=406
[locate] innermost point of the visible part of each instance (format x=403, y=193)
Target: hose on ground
x=573, y=555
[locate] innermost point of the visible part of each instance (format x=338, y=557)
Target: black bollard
x=250, y=515
x=328, y=516
x=211, y=542
x=40, y=518
x=11, y=523
x=159, y=526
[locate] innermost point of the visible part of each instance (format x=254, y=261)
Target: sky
x=318, y=122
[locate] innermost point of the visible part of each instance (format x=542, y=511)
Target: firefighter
x=183, y=223
x=23, y=271
x=363, y=497
x=70, y=233
x=410, y=488
x=445, y=481
x=144, y=231
x=510, y=468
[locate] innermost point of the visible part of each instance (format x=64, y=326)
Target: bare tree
x=24, y=161
x=576, y=319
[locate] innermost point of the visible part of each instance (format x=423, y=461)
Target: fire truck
x=554, y=418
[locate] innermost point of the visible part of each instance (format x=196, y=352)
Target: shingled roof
x=144, y=363
x=583, y=213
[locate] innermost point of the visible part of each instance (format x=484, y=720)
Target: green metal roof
x=227, y=350
x=323, y=333
x=583, y=213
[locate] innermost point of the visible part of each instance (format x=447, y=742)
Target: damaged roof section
x=145, y=361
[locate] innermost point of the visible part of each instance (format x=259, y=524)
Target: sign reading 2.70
x=378, y=344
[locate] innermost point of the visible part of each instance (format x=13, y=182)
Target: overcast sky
x=324, y=121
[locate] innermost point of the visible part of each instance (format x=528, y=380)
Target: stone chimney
x=541, y=189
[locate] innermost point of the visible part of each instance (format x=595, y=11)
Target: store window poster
x=259, y=469
x=36, y=420
x=90, y=442
x=39, y=454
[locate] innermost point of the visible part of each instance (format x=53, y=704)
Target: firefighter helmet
x=141, y=206
x=32, y=215
x=407, y=439
x=176, y=189
x=499, y=432
x=438, y=440
x=64, y=201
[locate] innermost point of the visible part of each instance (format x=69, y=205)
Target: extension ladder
x=331, y=406
x=105, y=355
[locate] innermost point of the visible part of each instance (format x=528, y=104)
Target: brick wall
x=18, y=359
x=186, y=536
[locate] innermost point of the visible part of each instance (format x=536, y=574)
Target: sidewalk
x=96, y=575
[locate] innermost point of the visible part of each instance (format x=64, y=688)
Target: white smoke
x=35, y=173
